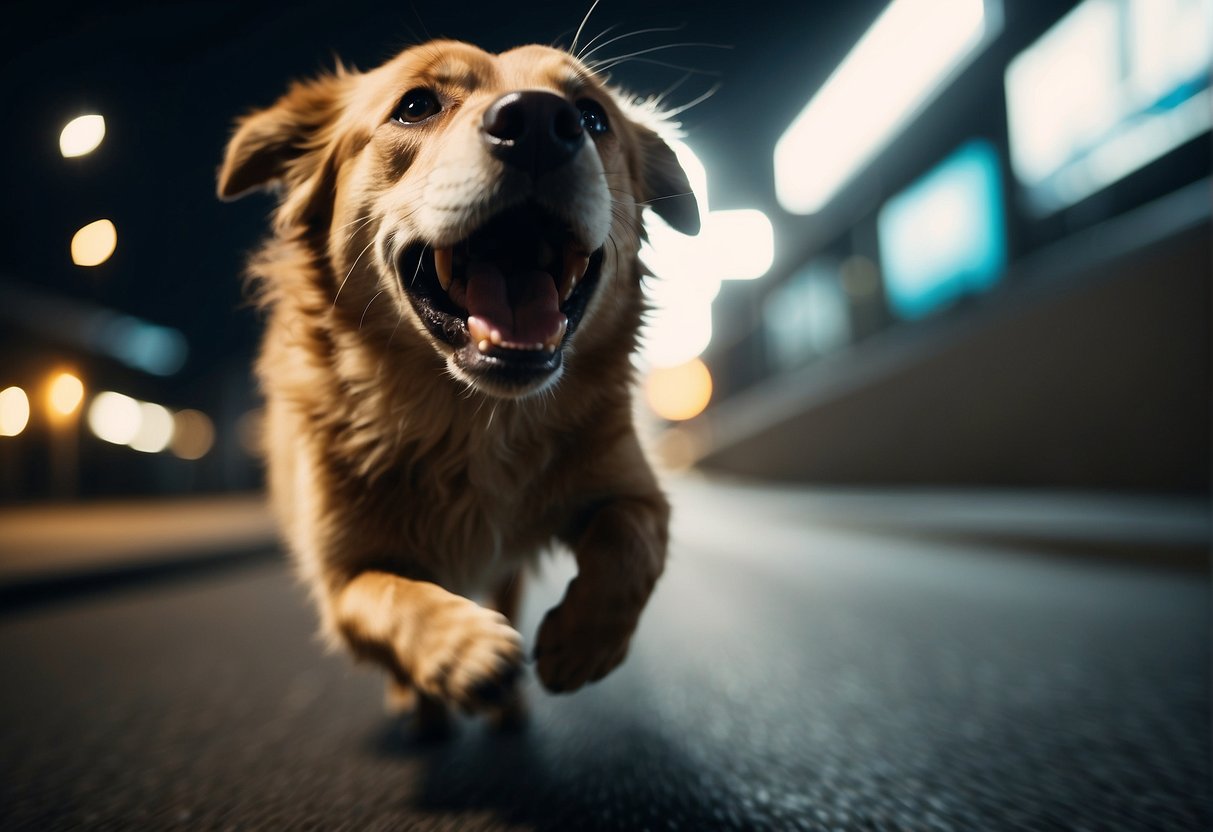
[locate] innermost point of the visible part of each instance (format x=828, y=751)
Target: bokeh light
x=114, y=417
x=65, y=394
x=155, y=429
x=93, y=244
x=250, y=432
x=193, y=435
x=732, y=245
x=82, y=135
x=678, y=393
x=14, y=411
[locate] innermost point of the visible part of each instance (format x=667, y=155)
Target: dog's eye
x=593, y=117
x=416, y=106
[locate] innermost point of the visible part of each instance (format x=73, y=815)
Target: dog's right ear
x=273, y=146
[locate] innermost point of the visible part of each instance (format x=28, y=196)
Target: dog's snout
x=535, y=131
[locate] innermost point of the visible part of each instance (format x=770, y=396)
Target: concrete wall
x=1101, y=383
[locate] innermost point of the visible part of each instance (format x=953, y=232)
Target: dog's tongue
x=523, y=306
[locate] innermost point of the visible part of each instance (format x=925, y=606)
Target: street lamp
x=65, y=394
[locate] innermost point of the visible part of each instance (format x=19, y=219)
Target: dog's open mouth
x=507, y=297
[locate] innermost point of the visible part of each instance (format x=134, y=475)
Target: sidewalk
x=46, y=543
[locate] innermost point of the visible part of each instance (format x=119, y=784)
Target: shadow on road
x=625, y=777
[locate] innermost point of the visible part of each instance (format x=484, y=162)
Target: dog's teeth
x=478, y=329
x=575, y=265
x=442, y=264
x=552, y=343
x=495, y=337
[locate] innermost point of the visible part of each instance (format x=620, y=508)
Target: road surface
x=790, y=673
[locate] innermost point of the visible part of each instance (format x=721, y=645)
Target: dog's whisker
x=626, y=35
x=363, y=220
x=392, y=335
x=695, y=102
x=659, y=99
x=362, y=320
x=351, y=271
x=608, y=63
x=417, y=271
x=584, y=20
x=593, y=40
x=665, y=196
x=690, y=70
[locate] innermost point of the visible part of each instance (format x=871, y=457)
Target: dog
x=453, y=292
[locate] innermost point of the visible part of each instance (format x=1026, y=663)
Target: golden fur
x=401, y=486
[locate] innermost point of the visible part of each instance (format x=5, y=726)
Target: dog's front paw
x=469, y=656
x=583, y=639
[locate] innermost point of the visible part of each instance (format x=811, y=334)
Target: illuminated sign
x=1112, y=86
x=945, y=235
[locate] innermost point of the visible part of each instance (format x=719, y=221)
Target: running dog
x=453, y=291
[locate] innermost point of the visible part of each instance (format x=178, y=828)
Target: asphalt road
x=788, y=675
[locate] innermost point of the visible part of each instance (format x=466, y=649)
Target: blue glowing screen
x=945, y=235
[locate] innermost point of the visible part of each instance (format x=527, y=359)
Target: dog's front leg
x=620, y=554
x=448, y=647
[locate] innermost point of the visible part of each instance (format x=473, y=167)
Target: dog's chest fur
x=409, y=481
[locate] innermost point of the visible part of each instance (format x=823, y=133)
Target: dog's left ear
x=279, y=144
x=666, y=187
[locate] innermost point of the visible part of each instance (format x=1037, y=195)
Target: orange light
x=681, y=392
x=66, y=393
x=93, y=244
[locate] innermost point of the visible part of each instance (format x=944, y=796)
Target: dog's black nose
x=535, y=131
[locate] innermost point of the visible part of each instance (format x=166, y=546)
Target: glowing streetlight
x=82, y=135
x=678, y=393
x=63, y=397
x=65, y=394
x=93, y=244
x=114, y=417
x=155, y=429
x=14, y=411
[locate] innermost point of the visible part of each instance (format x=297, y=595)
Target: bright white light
x=1112, y=86
x=732, y=245
x=739, y=245
x=676, y=334
x=155, y=429
x=14, y=411
x=1062, y=92
x=912, y=50
x=115, y=418
x=81, y=135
